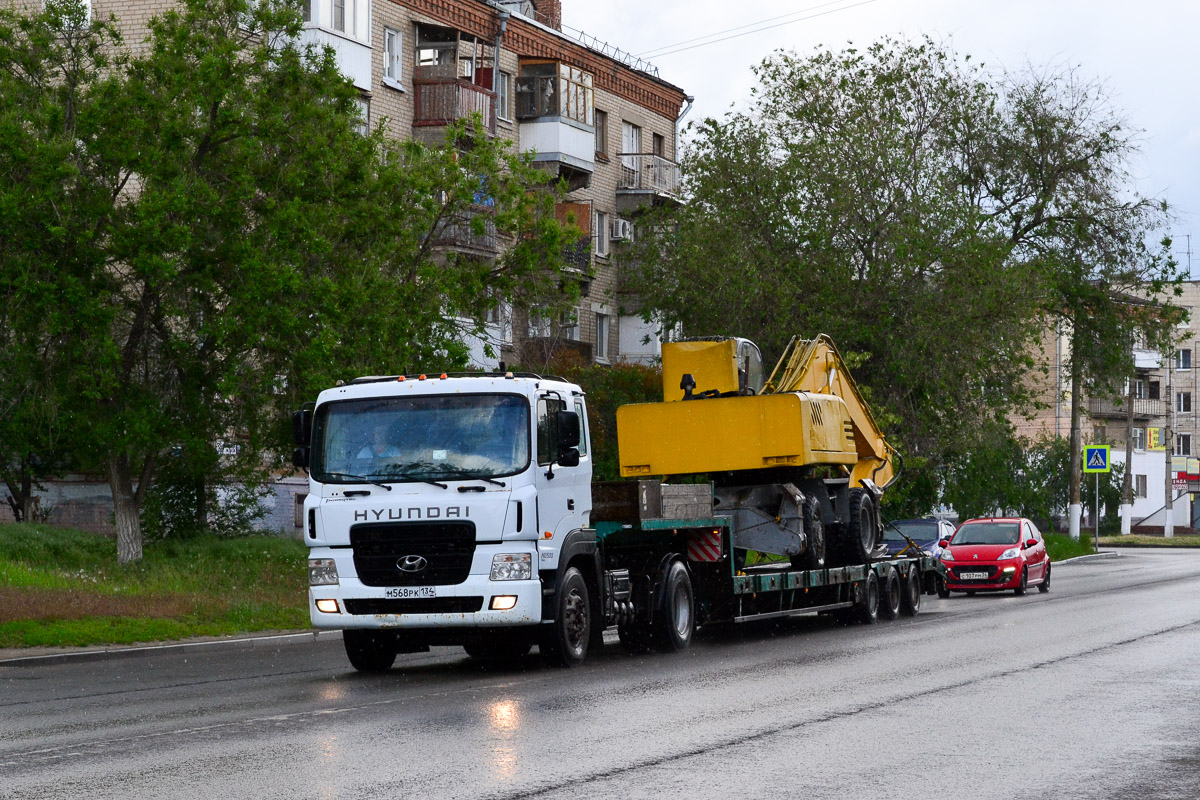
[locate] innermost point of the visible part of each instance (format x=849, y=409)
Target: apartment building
x=601, y=120
x=1165, y=391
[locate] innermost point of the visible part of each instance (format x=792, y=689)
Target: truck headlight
x=322, y=572
x=512, y=567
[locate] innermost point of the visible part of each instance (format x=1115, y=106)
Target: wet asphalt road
x=1090, y=691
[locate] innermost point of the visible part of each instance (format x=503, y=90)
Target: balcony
x=472, y=232
x=353, y=56
x=646, y=179
x=1142, y=409
x=1146, y=359
x=441, y=98
x=554, y=108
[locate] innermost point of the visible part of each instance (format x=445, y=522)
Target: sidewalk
x=38, y=656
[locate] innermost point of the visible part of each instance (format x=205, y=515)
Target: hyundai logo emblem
x=411, y=563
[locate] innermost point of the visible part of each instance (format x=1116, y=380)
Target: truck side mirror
x=569, y=457
x=568, y=432
x=300, y=457
x=302, y=427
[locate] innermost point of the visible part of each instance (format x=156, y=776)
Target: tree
x=926, y=213
x=238, y=242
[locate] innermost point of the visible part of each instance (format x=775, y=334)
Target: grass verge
x=1060, y=546
x=62, y=587
x=1136, y=540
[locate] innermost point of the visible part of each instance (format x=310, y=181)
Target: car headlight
x=1011, y=552
x=947, y=555
x=322, y=572
x=512, y=567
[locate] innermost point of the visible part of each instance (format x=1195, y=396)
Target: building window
x=504, y=96
x=351, y=17
x=1183, y=402
x=601, y=132
x=539, y=323
x=1139, y=389
x=1183, y=444
x=1183, y=359
x=601, y=229
x=364, y=115
x=306, y=11
x=436, y=47
x=659, y=145
x=602, y=326
x=393, y=47
x=550, y=89
x=1139, y=438
x=1152, y=390
x=1139, y=486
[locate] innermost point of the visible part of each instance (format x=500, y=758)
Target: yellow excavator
x=796, y=459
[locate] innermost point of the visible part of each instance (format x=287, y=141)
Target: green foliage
x=205, y=239
x=1060, y=547
x=925, y=213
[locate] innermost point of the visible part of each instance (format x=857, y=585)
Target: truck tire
x=910, y=598
x=943, y=590
x=813, y=556
x=565, y=641
x=890, y=594
x=858, y=533
x=676, y=619
x=370, y=651
x=867, y=608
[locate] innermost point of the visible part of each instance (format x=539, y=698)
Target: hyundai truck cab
x=439, y=507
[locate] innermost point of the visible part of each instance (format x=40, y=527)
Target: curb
x=1091, y=556
x=115, y=653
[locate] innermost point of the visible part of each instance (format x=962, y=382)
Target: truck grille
x=438, y=553
x=419, y=605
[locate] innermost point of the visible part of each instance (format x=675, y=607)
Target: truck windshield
x=432, y=437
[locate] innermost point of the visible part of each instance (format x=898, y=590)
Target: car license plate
x=402, y=592
x=973, y=576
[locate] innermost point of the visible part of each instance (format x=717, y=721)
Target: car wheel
x=676, y=621
x=370, y=651
x=889, y=594
x=1044, y=586
x=867, y=608
x=565, y=643
x=910, y=598
x=1020, y=590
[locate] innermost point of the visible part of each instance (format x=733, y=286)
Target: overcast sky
x=1146, y=54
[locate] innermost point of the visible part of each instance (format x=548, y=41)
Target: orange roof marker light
x=401, y=379
x=443, y=376
x=421, y=377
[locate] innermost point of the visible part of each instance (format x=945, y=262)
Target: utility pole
x=1127, y=484
x=1075, y=508
x=1169, y=440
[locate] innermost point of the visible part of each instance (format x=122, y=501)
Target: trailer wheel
x=813, y=556
x=370, y=651
x=565, y=642
x=676, y=620
x=910, y=598
x=889, y=606
x=867, y=609
x=858, y=534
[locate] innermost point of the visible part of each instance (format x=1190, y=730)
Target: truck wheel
x=676, y=620
x=943, y=589
x=858, y=534
x=890, y=591
x=910, y=598
x=867, y=608
x=813, y=556
x=565, y=643
x=370, y=651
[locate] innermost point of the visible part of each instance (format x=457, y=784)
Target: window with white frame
x=1139, y=486
x=351, y=17
x=570, y=326
x=539, y=322
x=1183, y=359
x=1139, y=389
x=364, y=115
x=1139, y=438
x=603, y=324
x=601, y=132
x=1183, y=402
x=393, y=48
x=601, y=229
x=1183, y=444
x=504, y=96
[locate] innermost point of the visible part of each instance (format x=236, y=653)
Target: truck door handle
x=570, y=504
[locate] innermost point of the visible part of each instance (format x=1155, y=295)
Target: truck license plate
x=402, y=592
x=973, y=576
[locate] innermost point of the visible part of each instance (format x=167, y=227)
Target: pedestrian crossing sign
x=1095, y=458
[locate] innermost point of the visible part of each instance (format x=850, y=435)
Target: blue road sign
x=1095, y=458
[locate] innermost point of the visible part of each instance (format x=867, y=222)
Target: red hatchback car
x=996, y=554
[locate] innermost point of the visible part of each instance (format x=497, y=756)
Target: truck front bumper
x=476, y=603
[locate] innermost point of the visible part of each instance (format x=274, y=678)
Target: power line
x=650, y=53
x=766, y=28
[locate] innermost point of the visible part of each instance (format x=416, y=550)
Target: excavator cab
x=711, y=368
